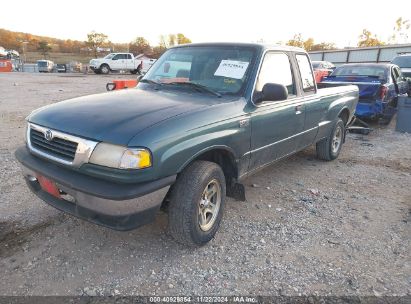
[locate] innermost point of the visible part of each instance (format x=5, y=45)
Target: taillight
x=383, y=92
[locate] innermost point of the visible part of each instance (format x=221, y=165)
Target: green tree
x=140, y=45
x=44, y=48
x=181, y=39
x=323, y=46
x=158, y=51
x=296, y=41
x=308, y=44
x=172, y=40
x=95, y=41
x=368, y=39
x=402, y=30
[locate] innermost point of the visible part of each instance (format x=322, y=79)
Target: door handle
x=298, y=109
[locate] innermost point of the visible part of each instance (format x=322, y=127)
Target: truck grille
x=58, y=147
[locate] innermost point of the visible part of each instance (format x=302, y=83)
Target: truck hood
x=368, y=87
x=118, y=116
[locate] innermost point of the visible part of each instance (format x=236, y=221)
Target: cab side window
x=306, y=73
x=276, y=68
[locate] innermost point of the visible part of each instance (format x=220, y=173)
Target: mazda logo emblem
x=48, y=135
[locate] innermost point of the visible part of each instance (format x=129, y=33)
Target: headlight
x=120, y=157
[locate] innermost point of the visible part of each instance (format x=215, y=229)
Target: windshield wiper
x=197, y=86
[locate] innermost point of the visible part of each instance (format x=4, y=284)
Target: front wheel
x=197, y=203
x=329, y=148
x=105, y=69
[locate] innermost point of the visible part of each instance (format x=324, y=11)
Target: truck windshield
x=109, y=56
x=42, y=64
x=223, y=70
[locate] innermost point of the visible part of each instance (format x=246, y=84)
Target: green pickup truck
x=202, y=119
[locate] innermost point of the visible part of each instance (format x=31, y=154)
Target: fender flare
x=208, y=149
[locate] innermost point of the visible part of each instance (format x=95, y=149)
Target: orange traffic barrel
x=5, y=65
x=120, y=84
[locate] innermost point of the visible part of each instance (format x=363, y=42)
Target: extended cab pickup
x=202, y=119
x=120, y=62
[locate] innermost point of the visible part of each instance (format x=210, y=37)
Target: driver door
x=118, y=62
x=275, y=124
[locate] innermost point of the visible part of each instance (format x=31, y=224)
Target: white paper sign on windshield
x=232, y=69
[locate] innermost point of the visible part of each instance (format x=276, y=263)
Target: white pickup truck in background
x=120, y=62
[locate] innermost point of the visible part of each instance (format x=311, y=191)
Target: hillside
x=14, y=40
x=61, y=50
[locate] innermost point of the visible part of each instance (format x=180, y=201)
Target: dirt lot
x=308, y=227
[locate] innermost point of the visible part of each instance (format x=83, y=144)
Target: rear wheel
x=196, y=203
x=105, y=69
x=329, y=148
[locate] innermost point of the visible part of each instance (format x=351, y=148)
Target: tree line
x=25, y=42
x=401, y=32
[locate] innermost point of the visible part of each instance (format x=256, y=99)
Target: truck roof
x=260, y=46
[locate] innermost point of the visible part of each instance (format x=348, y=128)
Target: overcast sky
x=340, y=22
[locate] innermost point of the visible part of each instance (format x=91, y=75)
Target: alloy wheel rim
x=337, y=139
x=209, y=205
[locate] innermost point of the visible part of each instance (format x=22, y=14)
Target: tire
x=104, y=69
x=190, y=218
x=329, y=148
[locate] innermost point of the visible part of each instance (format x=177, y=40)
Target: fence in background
x=29, y=67
x=359, y=55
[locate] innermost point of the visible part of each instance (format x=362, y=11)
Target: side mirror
x=273, y=92
x=114, y=58
x=166, y=68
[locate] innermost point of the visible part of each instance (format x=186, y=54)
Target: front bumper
x=115, y=205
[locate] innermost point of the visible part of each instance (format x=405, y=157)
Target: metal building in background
x=356, y=55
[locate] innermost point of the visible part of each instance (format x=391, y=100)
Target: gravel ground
x=308, y=227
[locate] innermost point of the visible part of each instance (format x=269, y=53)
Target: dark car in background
x=61, y=68
x=322, y=69
x=404, y=63
x=380, y=85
